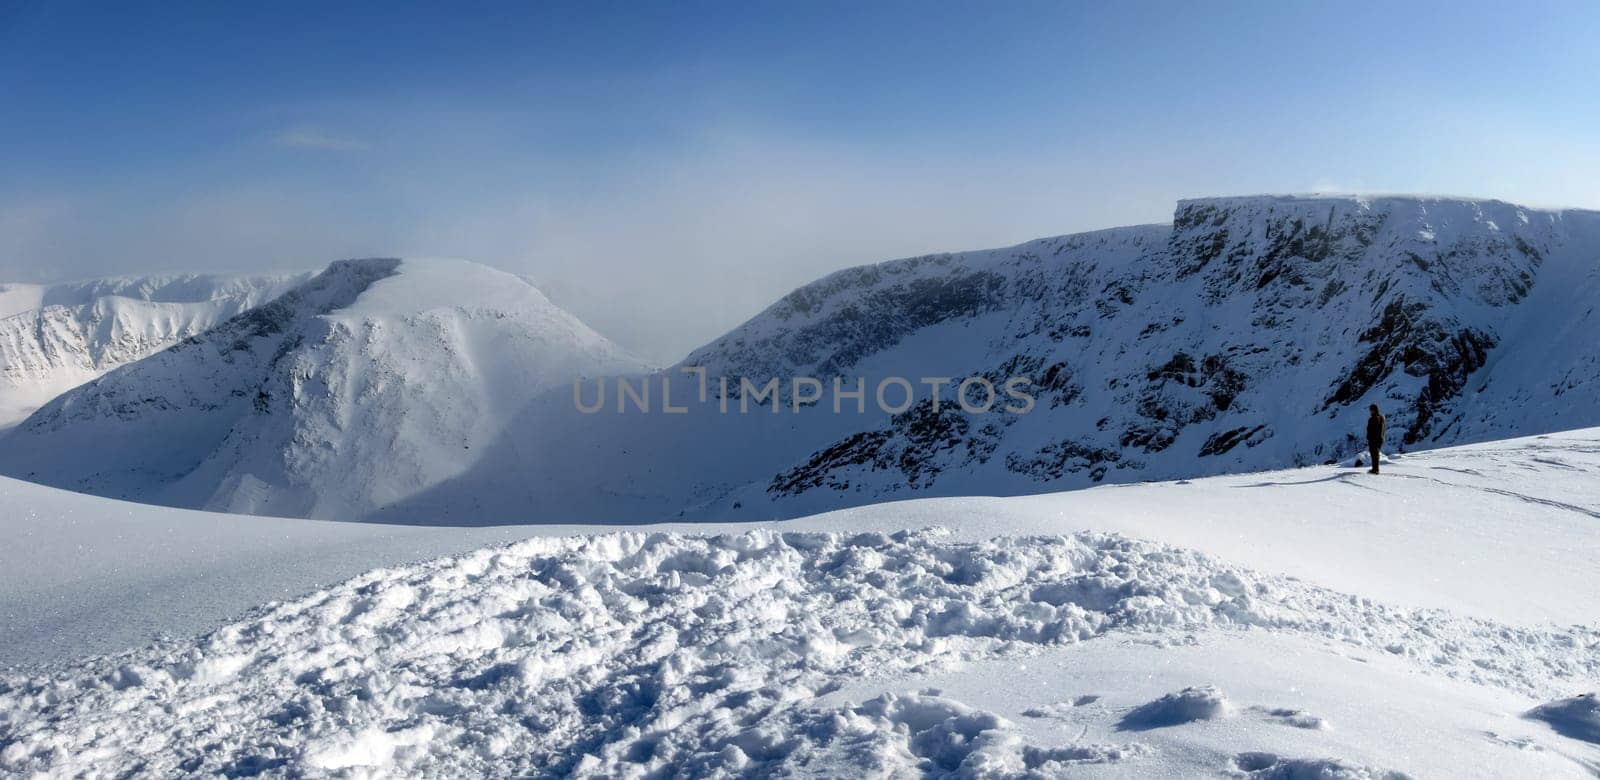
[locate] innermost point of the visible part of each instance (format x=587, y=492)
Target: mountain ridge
x=56, y=336
x=343, y=393
x=1250, y=333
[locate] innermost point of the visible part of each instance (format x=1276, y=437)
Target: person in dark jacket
x=1376, y=429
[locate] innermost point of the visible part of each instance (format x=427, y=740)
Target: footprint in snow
x=1203, y=702
x=1520, y=743
x=1577, y=717
x=1059, y=709
x=1260, y=764
x=1299, y=719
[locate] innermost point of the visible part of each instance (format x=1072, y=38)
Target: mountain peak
x=423, y=284
x=377, y=378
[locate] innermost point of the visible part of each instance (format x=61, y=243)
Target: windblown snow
x=1029, y=645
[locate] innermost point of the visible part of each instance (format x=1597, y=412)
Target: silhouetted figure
x=1376, y=429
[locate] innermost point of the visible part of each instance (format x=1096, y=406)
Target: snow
x=56, y=337
x=1577, y=717
x=1433, y=530
x=86, y=575
x=1376, y=711
x=1002, y=637
x=1437, y=620
x=1500, y=531
x=635, y=653
x=1175, y=709
x=1249, y=334
x=374, y=381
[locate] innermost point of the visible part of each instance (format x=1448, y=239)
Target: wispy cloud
x=306, y=137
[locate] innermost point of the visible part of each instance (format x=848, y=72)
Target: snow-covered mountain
x=1251, y=333
x=369, y=382
x=58, y=336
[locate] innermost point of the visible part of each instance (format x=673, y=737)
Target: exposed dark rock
x=919, y=444
x=1219, y=443
x=1149, y=439
x=1065, y=457
x=1407, y=338
x=861, y=449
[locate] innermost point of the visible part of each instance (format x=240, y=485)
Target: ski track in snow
x=633, y=654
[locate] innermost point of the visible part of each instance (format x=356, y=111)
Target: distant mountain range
x=1250, y=333
x=58, y=336
x=372, y=380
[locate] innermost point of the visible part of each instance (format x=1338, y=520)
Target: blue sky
x=665, y=171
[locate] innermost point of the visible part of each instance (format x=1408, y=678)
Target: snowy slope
x=86, y=575
x=371, y=381
x=56, y=337
x=1015, y=637
x=1252, y=333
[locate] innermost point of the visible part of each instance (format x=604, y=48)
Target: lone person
x=1376, y=428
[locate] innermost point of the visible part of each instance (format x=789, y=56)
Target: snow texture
x=1503, y=531
x=1577, y=717
x=630, y=654
x=1174, y=709
x=1268, y=766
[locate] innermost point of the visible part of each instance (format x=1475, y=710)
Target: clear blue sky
x=666, y=171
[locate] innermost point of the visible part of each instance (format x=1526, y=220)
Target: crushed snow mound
x=638, y=654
